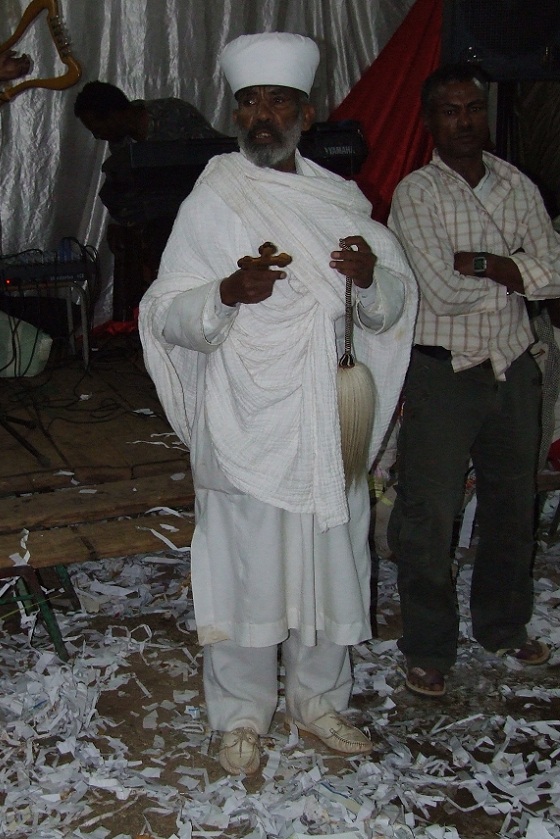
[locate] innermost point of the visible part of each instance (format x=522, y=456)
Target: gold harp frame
x=61, y=42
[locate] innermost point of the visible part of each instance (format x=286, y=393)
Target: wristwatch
x=480, y=264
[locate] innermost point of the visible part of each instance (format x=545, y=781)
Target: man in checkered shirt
x=480, y=242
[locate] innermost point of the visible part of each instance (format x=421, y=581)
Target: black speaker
x=512, y=40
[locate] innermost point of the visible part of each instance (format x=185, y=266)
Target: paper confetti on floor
x=116, y=740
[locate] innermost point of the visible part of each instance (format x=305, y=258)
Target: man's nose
x=263, y=110
x=464, y=118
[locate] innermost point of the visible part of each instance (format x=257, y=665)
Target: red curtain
x=386, y=103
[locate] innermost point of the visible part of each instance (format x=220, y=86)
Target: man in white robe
x=245, y=363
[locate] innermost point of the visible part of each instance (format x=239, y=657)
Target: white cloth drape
x=51, y=166
x=276, y=435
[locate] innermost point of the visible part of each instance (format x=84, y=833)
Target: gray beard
x=271, y=155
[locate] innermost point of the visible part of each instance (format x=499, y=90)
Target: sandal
x=425, y=681
x=531, y=653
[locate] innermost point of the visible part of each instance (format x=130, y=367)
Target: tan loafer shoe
x=240, y=751
x=337, y=734
x=531, y=653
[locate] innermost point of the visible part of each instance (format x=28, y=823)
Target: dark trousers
x=450, y=418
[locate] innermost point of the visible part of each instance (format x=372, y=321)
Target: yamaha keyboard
x=150, y=179
x=338, y=146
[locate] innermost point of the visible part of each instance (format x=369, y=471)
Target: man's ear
x=308, y=116
x=234, y=116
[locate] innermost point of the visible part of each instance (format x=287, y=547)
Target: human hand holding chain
x=355, y=260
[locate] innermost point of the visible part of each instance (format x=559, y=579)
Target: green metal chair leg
x=66, y=583
x=47, y=614
x=28, y=590
x=23, y=595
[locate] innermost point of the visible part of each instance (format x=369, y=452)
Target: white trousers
x=241, y=683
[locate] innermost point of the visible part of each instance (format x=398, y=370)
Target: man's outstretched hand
x=249, y=285
x=254, y=282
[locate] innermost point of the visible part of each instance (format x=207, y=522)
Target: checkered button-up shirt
x=435, y=214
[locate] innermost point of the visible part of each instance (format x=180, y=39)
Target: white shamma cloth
x=279, y=543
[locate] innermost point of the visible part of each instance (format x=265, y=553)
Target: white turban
x=270, y=58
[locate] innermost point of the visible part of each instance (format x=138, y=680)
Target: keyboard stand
x=7, y=423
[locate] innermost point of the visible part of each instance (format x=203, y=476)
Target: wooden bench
x=84, y=523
